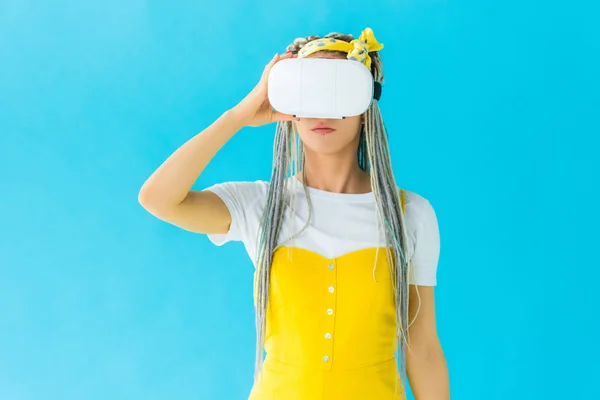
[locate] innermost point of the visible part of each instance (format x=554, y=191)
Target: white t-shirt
x=341, y=223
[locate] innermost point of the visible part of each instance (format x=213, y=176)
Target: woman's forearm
x=171, y=182
x=428, y=373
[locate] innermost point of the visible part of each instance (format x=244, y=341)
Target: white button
x=331, y=267
x=326, y=358
x=329, y=311
x=331, y=289
x=328, y=336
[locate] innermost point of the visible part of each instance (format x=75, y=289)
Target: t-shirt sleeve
x=245, y=201
x=427, y=248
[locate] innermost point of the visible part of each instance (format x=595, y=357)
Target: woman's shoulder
x=414, y=199
x=417, y=207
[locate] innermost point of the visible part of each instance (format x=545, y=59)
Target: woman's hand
x=255, y=109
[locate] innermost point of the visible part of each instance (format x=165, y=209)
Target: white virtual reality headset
x=321, y=87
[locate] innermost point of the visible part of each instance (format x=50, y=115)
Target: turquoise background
x=492, y=109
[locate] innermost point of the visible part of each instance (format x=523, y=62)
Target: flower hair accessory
x=357, y=50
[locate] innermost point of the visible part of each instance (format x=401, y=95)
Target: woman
x=345, y=261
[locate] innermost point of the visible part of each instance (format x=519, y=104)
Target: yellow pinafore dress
x=331, y=328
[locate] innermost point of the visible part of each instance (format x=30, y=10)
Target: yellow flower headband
x=358, y=49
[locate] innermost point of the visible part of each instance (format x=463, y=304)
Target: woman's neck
x=334, y=173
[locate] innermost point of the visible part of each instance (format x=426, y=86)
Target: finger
x=288, y=54
x=275, y=59
x=268, y=67
x=277, y=116
x=279, y=58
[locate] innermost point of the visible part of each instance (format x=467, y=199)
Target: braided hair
x=373, y=156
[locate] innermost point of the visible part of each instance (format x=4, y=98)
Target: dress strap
x=402, y=199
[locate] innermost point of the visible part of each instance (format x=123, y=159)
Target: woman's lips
x=322, y=131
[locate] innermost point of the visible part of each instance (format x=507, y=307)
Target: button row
x=331, y=289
